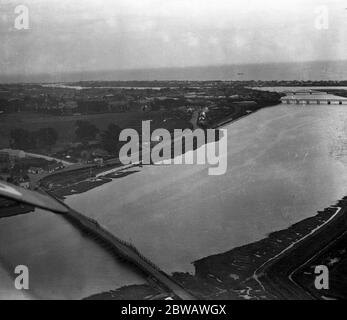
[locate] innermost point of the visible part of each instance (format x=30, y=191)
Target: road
x=277, y=275
x=35, y=155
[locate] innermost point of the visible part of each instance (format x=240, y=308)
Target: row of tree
x=86, y=131
x=44, y=138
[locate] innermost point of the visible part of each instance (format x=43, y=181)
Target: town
x=52, y=127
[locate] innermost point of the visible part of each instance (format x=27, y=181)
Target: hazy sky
x=74, y=35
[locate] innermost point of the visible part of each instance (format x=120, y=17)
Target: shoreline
x=106, y=175
x=229, y=275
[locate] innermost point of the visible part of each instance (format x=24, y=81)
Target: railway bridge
x=313, y=98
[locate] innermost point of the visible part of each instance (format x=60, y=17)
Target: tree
x=110, y=138
x=85, y=156
x=156, y=105
x=21, y=139
x=85, y=131
x=46, y=138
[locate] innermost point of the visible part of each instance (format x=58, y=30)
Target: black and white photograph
x=185, y=151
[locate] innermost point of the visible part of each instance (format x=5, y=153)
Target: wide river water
x=284, y=164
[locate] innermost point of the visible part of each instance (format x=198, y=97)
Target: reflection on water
x=63, y=264
x=280, y=171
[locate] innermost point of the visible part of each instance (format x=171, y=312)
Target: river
x=284, y=164
x=62, y=263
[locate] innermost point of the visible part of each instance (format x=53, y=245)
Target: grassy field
x=65, y=125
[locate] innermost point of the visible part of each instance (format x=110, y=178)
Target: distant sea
x=322, y=70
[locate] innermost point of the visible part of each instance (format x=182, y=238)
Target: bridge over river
x=312, y=97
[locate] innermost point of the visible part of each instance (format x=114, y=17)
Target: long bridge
x=313, y=97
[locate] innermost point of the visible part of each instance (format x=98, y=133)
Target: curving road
x=277, y=275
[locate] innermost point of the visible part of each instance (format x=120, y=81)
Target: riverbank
x=10, y=208
x=229, y=275
x=281, y=146
x=72, y=182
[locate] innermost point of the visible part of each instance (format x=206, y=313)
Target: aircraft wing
x=32, y=198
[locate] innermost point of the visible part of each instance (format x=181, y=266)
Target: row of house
x=15, y=167
x=73, y=105
x=8, y=158
x=49, y=168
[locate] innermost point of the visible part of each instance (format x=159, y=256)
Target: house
x=52, y=167
x=4, y=161
x=24, y=182
x=99, y=162
x=68, y=107
x=14, y=154
x=118, y=106
x=100, y=153
x=36, y=170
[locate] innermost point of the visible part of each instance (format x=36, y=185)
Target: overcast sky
x=75, y=35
